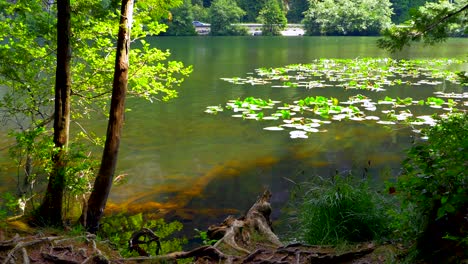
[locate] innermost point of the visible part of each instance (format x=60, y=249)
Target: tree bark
x=50, y=211
x=102, y=185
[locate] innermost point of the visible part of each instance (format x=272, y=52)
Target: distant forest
x=295, y=8
x=319, y=18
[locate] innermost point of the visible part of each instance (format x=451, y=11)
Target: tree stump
x=248, y=233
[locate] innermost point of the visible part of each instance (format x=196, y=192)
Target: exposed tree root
x=48, y=250
x=9, y=244
x=250, y=239
x=25, y=256
x=57, y=259
x=134, y=242
x=206, y=252
x=243, y=235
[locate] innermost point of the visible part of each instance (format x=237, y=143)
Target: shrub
x=433, y=192
x=340, y=209
x=119, y=229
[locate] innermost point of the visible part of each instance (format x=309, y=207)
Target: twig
x=25, y=256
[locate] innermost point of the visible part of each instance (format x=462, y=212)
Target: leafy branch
x=422, y=26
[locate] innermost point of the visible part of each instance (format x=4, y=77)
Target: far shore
x=256, y=29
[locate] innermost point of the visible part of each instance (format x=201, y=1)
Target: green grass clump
x=339, y=210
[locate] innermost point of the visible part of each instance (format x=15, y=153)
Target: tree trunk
x=50, y=211
x=102, y=185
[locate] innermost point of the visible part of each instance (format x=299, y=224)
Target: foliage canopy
x=272, y=18
x=27, y=63
x=431, y=23
x=223, y=13
x=346, y=17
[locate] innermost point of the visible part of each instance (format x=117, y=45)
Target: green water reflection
x=182, y=160
x=224, y=163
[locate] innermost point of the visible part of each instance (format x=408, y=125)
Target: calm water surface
x=198, y=167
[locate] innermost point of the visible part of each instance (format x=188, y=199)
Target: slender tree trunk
x=102, y=185
x=50, y=211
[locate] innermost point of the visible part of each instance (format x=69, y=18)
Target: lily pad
x=298, y=134
x=274, y=128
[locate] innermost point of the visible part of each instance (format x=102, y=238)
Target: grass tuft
x=339, y=210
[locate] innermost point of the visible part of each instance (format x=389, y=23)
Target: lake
x=198, y=168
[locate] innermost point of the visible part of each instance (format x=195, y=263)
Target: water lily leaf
x=386, y=122
x=310, y=129
x=291, y=125
x=270, y=118
x=339, y=117
x=312, y=125
x=298, y=134
x=274, y=128
x=355, y=118
x=370, y=74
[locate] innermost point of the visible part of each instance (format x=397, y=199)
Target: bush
x=340, y=209
x=118, y=229
x=433, y=192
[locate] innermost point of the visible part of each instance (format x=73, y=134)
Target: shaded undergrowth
x=426, y=213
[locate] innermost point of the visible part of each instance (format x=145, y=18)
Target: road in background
x=256, y=29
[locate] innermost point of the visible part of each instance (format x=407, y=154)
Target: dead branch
x=210, y=252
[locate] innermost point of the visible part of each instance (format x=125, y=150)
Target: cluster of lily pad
x=366, y=73
x=309, y=114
